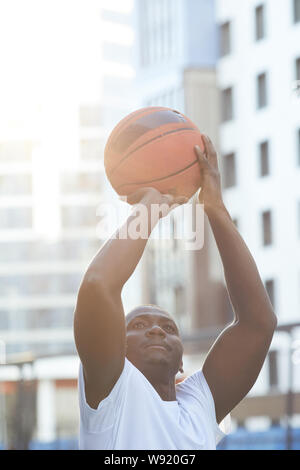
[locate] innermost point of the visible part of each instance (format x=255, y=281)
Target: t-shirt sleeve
x=103, y=417
x=201, y=389
x=222, y=429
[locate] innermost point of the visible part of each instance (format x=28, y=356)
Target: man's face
x=153, y=340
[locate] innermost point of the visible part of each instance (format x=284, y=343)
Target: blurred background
x=70, y=70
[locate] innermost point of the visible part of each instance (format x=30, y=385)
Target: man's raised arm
x=235, y=360
x=99, y=322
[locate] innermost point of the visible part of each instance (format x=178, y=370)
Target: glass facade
x=158, y=21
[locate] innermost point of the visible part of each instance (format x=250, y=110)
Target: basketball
x=154, y=146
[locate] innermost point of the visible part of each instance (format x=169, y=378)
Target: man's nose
x=155, y=330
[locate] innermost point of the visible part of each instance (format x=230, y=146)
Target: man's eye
x=170, y=328
x=139, y=324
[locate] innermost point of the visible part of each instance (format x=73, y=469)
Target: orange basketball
x=154, y=146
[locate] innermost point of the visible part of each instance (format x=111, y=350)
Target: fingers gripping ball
x=154, y=147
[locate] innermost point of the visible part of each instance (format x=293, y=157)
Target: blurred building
x=48, y=219
x=257, y=74
x=52, y=181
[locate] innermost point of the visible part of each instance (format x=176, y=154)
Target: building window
x=259, y=22
x=261, y=91
x=35, y=284
x=91, y=149
x=296, y=11
x=299, y=219
x=15, y=151
x=16, y=218
x=297, y=69
x=264, y=159
x=15, y=184
x=225, y=39
x=31, y=251
x=72, y=182
x=49, y=318
x=229, y=170
x=298, y=146
x=78, y=216
x=4, y=319
x=270, y=288
x=273, y=369
x=36, y=319
x=267, y=228
x=227, y=104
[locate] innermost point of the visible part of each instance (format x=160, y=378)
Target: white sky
x=47, y=50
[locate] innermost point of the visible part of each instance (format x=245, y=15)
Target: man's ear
x=181, y=368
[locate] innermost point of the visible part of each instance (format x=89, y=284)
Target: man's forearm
x=118, y=257
x=246, y=290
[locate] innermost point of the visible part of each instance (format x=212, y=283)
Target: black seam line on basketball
x=132, y=118
x=142, y=111
x=145, y=143
x=160, y=179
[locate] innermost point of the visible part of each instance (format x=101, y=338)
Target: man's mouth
x=157, y=346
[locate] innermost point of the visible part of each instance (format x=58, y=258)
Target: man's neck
x=166, y=393
x=164, y=386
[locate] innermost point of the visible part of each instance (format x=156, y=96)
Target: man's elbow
x=264, y=321
x=92, y=280
x=269, y=322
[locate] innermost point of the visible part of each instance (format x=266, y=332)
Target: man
x=128, y=396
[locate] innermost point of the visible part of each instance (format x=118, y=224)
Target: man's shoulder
x=122, y=381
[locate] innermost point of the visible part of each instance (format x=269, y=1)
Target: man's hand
x=210, y=194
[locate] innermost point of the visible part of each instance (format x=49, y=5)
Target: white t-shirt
x=133, y=416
